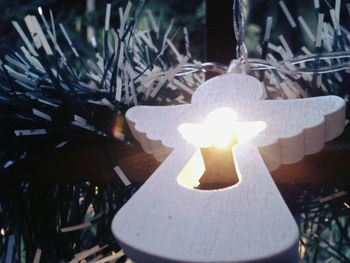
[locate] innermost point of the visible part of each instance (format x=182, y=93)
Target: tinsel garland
x=49, y=99
x=48, y=95
x=44, y=92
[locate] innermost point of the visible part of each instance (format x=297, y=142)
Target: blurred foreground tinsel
x=51, y=95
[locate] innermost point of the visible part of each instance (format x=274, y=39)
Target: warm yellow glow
x=2, y=232
x=192, y=172
x=195, y=134
x=219, y=128
x=302, y=248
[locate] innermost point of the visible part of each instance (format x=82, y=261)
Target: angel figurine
x=171, y=218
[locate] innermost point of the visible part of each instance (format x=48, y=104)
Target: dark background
x=211, y=42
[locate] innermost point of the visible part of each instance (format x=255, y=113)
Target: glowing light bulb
x=221, y=126
x=220, y=129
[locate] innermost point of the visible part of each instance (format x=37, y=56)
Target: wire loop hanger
x=241, y=64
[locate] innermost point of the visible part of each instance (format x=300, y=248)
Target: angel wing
x=155, y=127
x=295, y=128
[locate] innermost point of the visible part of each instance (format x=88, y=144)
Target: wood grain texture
x=248, y=222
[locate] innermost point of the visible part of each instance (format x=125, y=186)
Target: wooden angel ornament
x=171, y=218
